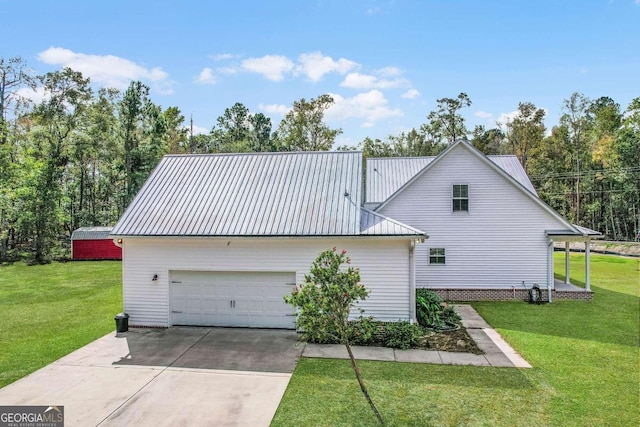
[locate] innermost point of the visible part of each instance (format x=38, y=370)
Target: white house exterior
x=495, y=234
x=220, y=239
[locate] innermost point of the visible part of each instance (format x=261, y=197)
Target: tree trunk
x=362, y=386
x=5, y=239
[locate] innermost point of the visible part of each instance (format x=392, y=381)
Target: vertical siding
x=384, y=268
x=499, y=243
x=95, y=249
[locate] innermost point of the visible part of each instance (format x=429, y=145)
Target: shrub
x=402, y=335
x=429, y=308
x=363, y=331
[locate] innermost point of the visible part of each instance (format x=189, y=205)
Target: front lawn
x=50, y=310
x=584, y=356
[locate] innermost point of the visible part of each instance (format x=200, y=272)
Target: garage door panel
x=246, y=299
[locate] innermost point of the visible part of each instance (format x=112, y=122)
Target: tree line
x=78, y=156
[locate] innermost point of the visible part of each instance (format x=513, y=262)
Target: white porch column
x=550, y=283
x=587, y=265
x=412, y=282
x=567, y=269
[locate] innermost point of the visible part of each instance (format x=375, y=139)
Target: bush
x=402, y=335
x=429, y=308
x=363, y=331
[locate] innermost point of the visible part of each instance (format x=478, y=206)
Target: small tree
x=324, y=302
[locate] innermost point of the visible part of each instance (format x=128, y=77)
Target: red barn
x=94, y=243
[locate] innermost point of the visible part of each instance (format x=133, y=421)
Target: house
x=94, y=243
x=490, y=235
x=220, y=239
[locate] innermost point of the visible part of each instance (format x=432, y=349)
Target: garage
x=231, y=298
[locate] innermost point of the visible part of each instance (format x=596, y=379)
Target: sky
x=385, y=62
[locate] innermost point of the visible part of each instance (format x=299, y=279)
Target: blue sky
x=385, y=62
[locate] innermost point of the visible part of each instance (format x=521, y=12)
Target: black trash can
x=122, y=322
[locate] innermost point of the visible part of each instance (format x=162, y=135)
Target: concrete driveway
x=162, y=377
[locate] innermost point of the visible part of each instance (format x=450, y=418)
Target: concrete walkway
x=497, y=352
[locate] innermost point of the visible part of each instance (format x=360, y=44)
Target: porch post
x=587, y=265
x=567, y=271
x=550, y=283
x=412, y=282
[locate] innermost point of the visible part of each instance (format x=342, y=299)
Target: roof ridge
x=402, y=157
x=261, y=153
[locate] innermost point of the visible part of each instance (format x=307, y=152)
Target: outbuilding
x=94, y=243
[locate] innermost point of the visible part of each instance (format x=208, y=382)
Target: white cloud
x=272, y=67
x=223, y=56
x=199, y=130
x=411, y=94
x=370, y=106
x=227, y=70
x=483, y=114
x=315, y=65
x=373, y=10
x=206, y=76
x=389, y=71
x=36, y=96
x=505, y=118
x=368, y=81
x=274, y=108
x=109, y=70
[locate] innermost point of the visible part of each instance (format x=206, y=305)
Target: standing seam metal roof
x=257, y=194
x=387, y=175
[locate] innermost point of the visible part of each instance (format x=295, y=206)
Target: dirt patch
x=457, y=341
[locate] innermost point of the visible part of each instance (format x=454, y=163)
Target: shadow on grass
x=417, y=374
x=611, y=317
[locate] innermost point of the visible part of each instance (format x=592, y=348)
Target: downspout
x=412, y=282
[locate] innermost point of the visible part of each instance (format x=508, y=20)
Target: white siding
x=383, y=263
x=499, y=243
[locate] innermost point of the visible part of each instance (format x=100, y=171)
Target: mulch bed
x=458, y=341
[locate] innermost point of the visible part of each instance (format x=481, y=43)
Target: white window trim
x=458, y=212
x=443, y=256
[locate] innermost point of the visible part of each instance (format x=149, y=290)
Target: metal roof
x=587, y=231
x=257, y=194
x=373, y=223
x=387, y=175
x=91, y=233
x=512, y=166
x=579, y=231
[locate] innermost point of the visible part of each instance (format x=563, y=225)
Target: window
x=436, y=256
x=460, y=198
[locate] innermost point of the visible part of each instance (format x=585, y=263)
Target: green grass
x=50, y=310
x=585, y=356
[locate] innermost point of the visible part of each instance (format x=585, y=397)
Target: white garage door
x=231, y=298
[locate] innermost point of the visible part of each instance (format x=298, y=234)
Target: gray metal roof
x=579, y=231
x=375, y=224
x=512, y=166
x=258, y=194
x=386, y=175
x=91, y=233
